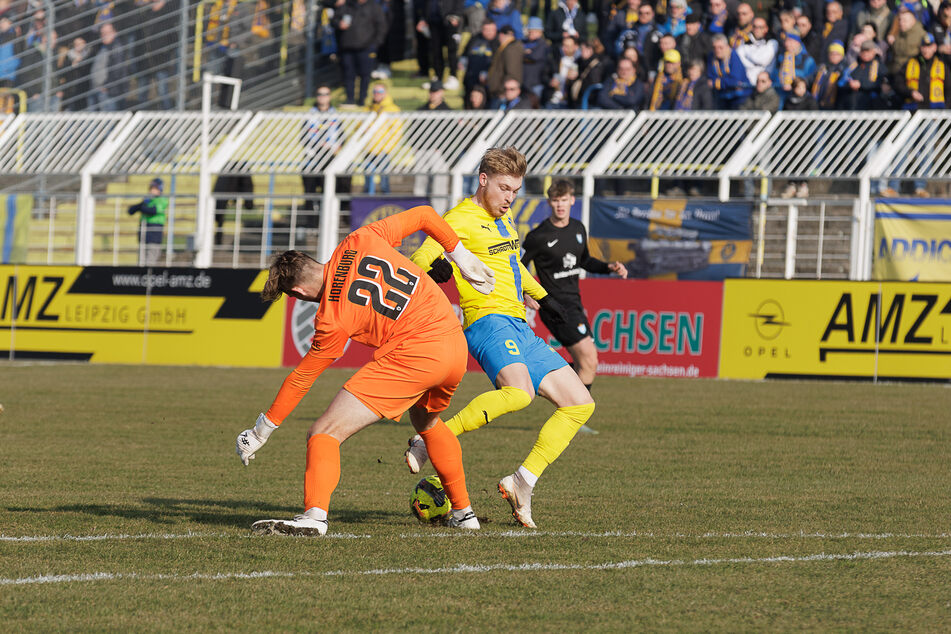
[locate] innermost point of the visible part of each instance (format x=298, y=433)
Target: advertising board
x=775, y=328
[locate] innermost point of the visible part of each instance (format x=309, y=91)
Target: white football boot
x=465, y=519
x=416, y=455
x=520, y=497
x=301, y=525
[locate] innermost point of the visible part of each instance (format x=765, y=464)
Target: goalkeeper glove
x=441, y=270
x=250, y=440
x=473, y=270
x=553, y=310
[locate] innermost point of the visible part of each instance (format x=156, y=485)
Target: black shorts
x=575, y=328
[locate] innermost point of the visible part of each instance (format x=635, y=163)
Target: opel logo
x=769, y=319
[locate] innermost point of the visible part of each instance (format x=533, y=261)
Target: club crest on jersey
x=578, y=235
x=581, y=328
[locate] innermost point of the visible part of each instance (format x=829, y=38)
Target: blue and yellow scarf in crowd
x=825, y=88
x=684, y=99
x=935, y=96
x=787, y=63
x=621, y=85
x=718, y=23
x=742, y=36
x=665, y=90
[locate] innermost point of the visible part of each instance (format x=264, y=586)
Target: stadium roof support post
x=86, y=209
x=587, y=191
x=857, y=247
x=792, y=234
x=205, y=230
x=747, y=150
x=864, y=213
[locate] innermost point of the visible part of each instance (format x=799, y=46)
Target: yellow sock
x=555, y=435
x=487, y=407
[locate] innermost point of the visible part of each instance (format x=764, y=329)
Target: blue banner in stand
x=673, y=238
x=363, y=211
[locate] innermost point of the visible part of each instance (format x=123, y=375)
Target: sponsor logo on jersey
x=508, y=245
x=552, y=243
x=563, y=274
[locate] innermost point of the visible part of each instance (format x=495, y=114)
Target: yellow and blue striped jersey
x=495, y=242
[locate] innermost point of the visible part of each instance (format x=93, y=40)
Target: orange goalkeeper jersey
x=374, y=295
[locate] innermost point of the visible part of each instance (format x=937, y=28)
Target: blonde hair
x=285, y=272
x=504, y=161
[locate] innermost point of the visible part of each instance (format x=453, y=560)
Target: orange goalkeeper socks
x=322, y=472
x=446, y=454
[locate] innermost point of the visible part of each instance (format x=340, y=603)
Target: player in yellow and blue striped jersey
x=518, y=363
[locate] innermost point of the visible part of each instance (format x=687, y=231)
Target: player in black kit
x=559, y=248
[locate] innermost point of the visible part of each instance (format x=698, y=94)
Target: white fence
x=732, y=151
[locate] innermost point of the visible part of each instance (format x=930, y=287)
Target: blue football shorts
x=496, y=341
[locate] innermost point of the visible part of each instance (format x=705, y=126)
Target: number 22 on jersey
x=367, y=289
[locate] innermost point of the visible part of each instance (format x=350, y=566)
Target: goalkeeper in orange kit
x=370, y=293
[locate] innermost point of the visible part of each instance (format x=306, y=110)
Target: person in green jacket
x=152, y=225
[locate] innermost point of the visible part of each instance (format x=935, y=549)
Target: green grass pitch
x=702, y=505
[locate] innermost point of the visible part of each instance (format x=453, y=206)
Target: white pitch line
x=710, y=535
x=100, y=538
x=508, y=534
x=473, y=568
x=123, y=537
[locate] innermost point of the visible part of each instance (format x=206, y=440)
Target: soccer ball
x=429, y=500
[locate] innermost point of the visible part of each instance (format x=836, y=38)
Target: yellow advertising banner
x=136, y=315
x=912, y=240
x=776, y=328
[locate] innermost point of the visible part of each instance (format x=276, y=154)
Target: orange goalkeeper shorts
x=418, y=371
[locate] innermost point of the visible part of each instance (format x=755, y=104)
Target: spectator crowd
x=715, y=54
x=676, y=55
x=665, y=54
x=106, y=55
x=503, y=54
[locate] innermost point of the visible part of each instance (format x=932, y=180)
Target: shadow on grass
x=222, y=513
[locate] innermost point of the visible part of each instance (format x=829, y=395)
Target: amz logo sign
x=28, y=299
x=891, y=325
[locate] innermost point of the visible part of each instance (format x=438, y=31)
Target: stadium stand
x=79, y=71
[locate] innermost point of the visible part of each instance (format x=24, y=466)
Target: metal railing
x=432, y=155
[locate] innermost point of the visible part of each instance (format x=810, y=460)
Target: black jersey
x=560, y=254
